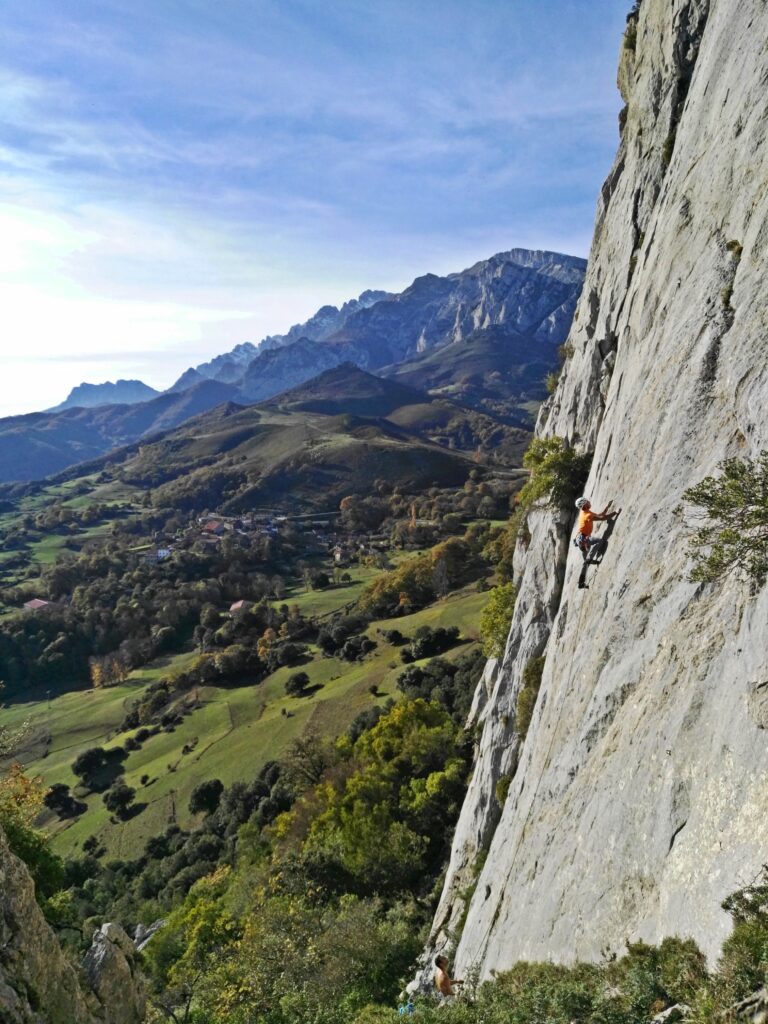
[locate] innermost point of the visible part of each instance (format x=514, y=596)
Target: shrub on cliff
x=743, y=964
x=21, y=800
x=526, y=699
x=495, y=620
x=558, y=472
x=732, y=512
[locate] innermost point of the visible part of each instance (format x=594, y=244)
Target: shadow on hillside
x=310, y=691
x=133, y=811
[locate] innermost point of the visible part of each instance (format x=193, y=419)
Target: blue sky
x=178, y=176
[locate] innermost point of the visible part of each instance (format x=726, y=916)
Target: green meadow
x=230, y=733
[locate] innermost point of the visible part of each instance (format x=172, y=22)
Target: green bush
x=206, y=796
x=733, y=512
x=558, y=472
x=413, y=584
x=526, y=699
x=296, y=684
x=502, y=789
x=495, y=620
x=743, y=964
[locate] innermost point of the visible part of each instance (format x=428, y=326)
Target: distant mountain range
x=485, y=337
x=308, y=447
x=121, y=392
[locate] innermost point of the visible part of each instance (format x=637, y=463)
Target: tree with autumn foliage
x=21, y=800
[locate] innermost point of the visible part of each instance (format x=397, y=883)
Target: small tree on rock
x=495, y=620
x=732, y=513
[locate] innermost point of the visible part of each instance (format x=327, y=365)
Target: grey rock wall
x=640, y=795
x=111, y=970
x=39, y=985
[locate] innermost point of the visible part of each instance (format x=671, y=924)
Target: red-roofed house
x=240, y=606
x=36, y=604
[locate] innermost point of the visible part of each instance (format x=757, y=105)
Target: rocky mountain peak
x=119, y=392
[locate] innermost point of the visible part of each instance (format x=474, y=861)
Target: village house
x=36, y=604
x=158, y=555
x=215, y=528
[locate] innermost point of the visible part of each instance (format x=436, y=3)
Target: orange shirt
x=586, y=519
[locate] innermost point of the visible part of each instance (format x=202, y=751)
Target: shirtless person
x=443, y=981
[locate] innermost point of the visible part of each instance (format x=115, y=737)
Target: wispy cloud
x=179, y=177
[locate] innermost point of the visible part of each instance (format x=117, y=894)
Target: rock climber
x=587, y=518
x=443, y=981
x=584, y=540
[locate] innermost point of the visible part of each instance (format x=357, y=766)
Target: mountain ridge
x=119, y=392
x=526, y=297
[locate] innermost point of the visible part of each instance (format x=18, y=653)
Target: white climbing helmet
x=581, y=502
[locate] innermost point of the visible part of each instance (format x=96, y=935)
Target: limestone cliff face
x=640, y=795
x=38, y=984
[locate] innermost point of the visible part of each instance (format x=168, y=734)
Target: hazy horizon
x=180, y=181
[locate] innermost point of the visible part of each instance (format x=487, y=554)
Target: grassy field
x=332, y=599
x=43, y=552
x=229, y=736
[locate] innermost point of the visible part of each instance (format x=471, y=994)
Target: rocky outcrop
x=639, y=796
x=752, y=1010
x=111, y=971
x=673, y=1014
x=39, y=985
x=144, y=933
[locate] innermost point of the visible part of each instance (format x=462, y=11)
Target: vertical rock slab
x=640, y=796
